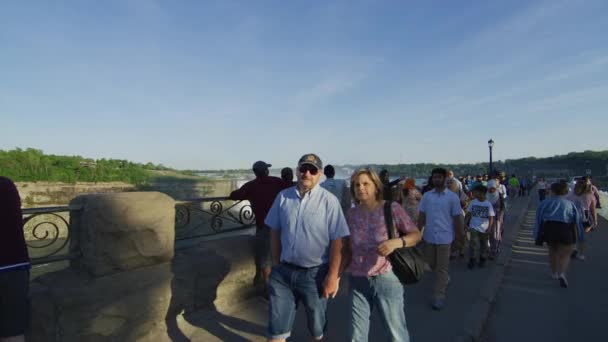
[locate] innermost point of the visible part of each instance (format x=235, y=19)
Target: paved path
x=248, y=323
x=530, y=306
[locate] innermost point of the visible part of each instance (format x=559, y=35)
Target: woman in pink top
x=583, y=198
x=373, y=282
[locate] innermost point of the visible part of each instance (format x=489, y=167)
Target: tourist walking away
x=513, y=186
x=410, y=198
x=308, y=228
x=338, y=187
x=260, y=192
x=522, y=187
x=440, y=215
x=596, y=193
x=14, y=266
x=388, y=185
x=542, y=189
x=287, y=177
x=557, y=224
x=373, y=282
x=480, y=217
x=459, y=243
x=496, y=229
x=583, y=198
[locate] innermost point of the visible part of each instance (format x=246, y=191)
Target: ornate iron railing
x=199, y=217
x=47, y=234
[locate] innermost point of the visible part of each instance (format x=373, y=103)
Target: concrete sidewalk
x=248, y=322
x=530, y=306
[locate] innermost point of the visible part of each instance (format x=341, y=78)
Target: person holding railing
x=14, y=266
x=260, y=192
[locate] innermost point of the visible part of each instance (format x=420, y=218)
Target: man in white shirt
x=338, y=187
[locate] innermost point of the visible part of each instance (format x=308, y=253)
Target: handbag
x=407, y=262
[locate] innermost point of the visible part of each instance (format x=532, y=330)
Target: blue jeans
x=386, y=291
x=289, y=285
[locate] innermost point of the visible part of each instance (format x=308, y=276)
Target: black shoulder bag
x=407, y=262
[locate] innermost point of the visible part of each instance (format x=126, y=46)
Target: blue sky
x=208, y=85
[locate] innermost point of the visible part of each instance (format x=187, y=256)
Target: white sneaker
x=580, y=257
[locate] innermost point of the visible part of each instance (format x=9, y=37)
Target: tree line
x=28, y=165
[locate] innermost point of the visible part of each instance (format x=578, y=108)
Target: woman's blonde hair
x=375, y=179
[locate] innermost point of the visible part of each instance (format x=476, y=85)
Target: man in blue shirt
x=441, y=215
x=307, y=226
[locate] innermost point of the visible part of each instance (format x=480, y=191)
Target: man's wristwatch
x=403, y=240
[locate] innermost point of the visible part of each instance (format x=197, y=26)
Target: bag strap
x=388, y=218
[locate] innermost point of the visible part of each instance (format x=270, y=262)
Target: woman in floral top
x=373, y=282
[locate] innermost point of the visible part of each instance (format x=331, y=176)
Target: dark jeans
x=290, y=285
x=262, y=247
x=14, y=302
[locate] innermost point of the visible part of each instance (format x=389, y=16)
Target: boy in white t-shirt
x=480, y=216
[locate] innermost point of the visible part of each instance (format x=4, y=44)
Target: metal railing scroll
x=200, y=217
x=47, y=234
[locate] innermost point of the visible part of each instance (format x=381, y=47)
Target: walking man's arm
x=331, y=283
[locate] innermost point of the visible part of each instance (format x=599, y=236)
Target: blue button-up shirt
x=308, y=224
x=439, y=209
x=558, y=209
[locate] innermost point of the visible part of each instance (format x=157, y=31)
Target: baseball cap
x=311, y=159
x=260, y=166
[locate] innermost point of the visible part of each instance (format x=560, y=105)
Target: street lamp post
x=490, y=145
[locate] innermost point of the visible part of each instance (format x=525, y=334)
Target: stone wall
x=46, y=194
x=130, y=285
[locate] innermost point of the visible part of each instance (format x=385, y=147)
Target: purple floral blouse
x=367, y=231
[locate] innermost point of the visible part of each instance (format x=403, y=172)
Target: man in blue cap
x=308, y=227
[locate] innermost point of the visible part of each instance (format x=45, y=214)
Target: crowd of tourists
x=374, y=230
x=310, y=233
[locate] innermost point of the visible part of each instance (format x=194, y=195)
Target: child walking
x=480, y=216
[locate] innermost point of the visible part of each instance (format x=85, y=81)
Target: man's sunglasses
x=313, y=170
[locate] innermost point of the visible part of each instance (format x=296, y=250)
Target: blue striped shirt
x=308, y=224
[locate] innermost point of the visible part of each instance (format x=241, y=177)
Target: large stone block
x=122, y=231
x=154, y=303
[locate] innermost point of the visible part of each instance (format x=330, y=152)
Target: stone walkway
x=531, y=306
x=248, y=322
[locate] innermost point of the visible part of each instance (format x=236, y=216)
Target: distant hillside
x=561, y=166
x=575, y=163
x=32, y=165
